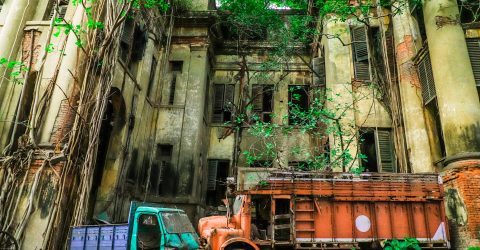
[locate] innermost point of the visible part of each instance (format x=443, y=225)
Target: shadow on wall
x=456, y=209
x=470, y=132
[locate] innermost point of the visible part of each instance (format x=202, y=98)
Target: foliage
x=473, y=248
x=405, y=244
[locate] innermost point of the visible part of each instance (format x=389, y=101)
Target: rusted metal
x=338, y=210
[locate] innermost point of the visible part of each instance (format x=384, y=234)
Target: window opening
x=62, y=10
x=152, y=77
x=217, y=178
x=263, y=101
x=261, y=164
x=176, y=68
x=298, y=103
x=377, y=147
x=223, y=100
x=167, y=175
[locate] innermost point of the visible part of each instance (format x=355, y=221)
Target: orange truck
x=331, y=211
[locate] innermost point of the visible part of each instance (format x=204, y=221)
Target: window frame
x=219, y=107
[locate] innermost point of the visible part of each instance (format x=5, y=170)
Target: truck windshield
x=176, y=222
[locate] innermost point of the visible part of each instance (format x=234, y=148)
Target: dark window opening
x=217, y=178
x=133, y=41
x=261, y=164
x=469, y=11
x=223, y=103
x=360, y=53
x=376, y=146
x=417, y=13
x=368, y=150
x=176, y=68
x=151, y=79
x=298, y=103
x=263, y=102
x=261, y=217
x=61, y=9
x=131, y=175
x=282, y=220
x=167, y=175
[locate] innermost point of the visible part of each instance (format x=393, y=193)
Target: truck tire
x=7, y=241
x=239, y=246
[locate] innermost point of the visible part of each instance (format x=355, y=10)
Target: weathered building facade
x=408, y=85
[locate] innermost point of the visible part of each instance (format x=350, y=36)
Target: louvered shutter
x=257, y=95
x=127, y=33
x=389, y=40
x=229, y=94
x=218, y=103
x=62, y=10
x=319, y=78
x=212, y=174
x=473, y=46
x=384, y=148
x=360, y=52
x=424, y=69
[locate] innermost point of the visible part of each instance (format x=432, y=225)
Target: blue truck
x=149, y=227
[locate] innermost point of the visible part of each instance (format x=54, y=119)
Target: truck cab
x=149, y=227
x=162, y=228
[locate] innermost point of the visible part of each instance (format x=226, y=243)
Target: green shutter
x=217, y=115
x=385, y=152
x=473, y=46
x=360, y=53
x=424, y=70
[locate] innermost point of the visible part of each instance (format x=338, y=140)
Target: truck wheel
x=239, y=246
x=7, y=241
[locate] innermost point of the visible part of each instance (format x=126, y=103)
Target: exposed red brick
x=464, y=176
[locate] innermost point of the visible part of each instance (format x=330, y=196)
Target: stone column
x=459, y=109
x=18, y=13
x=339, y=75
x=406, y=47
x=457, y=96
x=65, y=80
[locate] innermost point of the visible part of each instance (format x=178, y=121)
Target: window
x=262, y=102
x=162, y=176
x=176, y=68
x=151, y=79
x=360, y=53
x=297, y=103
x=148, y=232
x=62, y=10
x=473, y=46
x=425, y=73
x=223, y=100
x=216, y=184
x=319, y=75
x=132, y=44
x=417, y=13
x=377, y=147
x=299, y=165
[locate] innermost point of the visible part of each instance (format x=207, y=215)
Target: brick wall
x=462, y=190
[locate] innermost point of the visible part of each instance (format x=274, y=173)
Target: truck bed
x=101, y=237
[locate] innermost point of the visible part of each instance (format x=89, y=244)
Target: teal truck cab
x=149, y=227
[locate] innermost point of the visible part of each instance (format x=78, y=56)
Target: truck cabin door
x=146, y=233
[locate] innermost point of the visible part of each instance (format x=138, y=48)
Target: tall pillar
x=459, y=109
x=456, y=91
x=339, y=75
x=65, y=80
x=18, y=13
x=418, y=147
